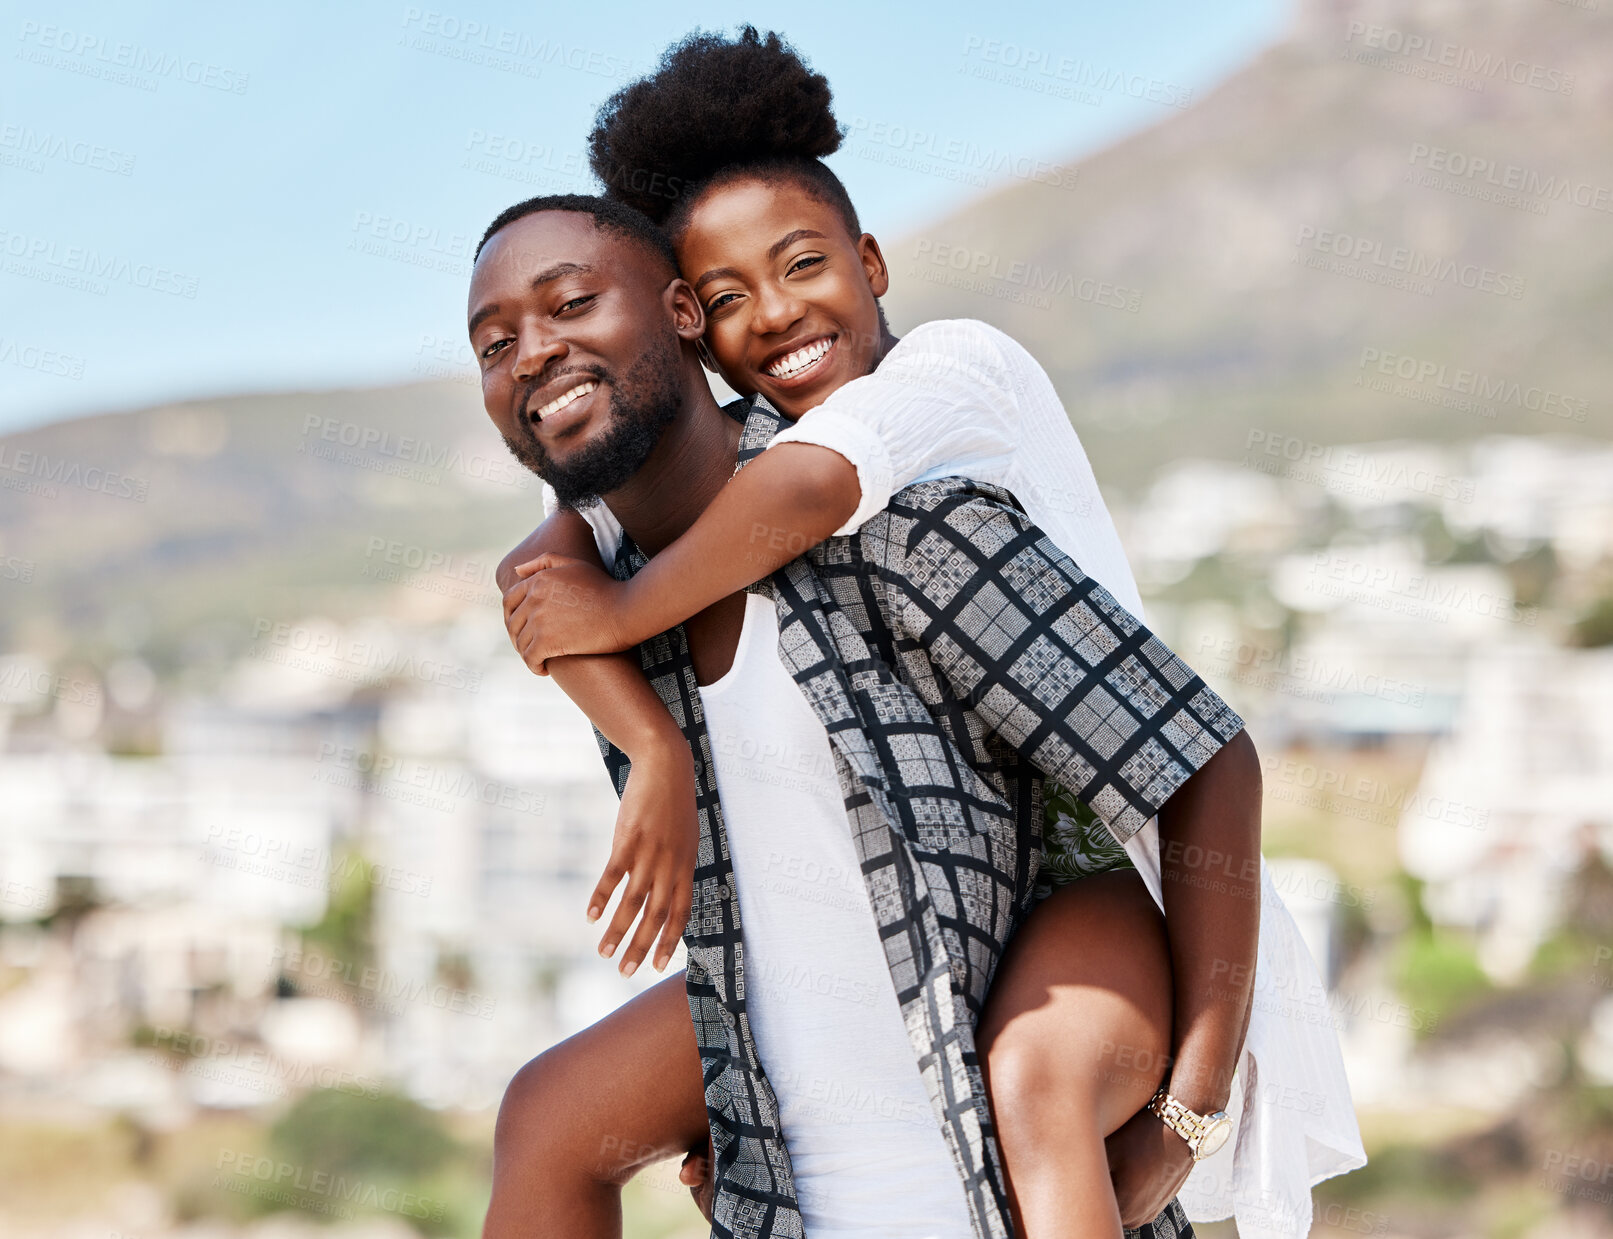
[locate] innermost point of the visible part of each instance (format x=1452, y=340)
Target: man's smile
x=565, y=398
x=564, y=403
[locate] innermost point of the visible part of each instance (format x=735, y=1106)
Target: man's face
x=579, y=357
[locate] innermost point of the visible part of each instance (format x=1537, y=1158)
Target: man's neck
x=690, y=464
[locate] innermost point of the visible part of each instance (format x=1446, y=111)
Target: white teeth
x=561, y=401
x=793, y=363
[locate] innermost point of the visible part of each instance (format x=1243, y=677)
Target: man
x=939, y=748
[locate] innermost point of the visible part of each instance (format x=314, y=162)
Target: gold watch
x=1205, y=1133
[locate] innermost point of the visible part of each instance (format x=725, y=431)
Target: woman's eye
x=493, y=348
x=801, y=264
x=720, y=300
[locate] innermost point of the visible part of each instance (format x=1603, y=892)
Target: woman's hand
x=657, y=837
x=1148, y=1163
x=559, y=606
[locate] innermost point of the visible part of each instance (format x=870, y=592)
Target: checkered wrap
x=956, y=657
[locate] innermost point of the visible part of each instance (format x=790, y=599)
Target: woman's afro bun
x=712, y=106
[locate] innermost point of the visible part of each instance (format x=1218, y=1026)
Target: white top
x=960, y=398
x=865, y=1143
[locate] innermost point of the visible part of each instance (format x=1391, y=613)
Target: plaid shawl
x=956, y=658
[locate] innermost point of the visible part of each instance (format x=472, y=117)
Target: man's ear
x=688, y=315
x=879, y=277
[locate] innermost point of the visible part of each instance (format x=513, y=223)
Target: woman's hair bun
x=712, y=103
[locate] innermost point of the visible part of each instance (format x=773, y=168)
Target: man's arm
x=657, y=833
x=1089, y=696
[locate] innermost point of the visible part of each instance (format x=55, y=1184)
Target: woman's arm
x=657, y=834
x=778, y=507
x=946, y=399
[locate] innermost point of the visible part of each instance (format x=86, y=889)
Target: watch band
x=1190, y=1125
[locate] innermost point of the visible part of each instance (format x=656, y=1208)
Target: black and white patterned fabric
x=957, y=659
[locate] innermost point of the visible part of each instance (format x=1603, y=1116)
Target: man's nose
x=534, y=350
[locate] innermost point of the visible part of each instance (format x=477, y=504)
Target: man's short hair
x=618, y=217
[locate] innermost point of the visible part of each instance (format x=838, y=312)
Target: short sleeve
x=944, y=401
x=1051, y=663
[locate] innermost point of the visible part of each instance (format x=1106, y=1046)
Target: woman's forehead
x=744, y=219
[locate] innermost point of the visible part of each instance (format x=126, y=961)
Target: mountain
x=1395, y=223
x=190, y=522
x=1317, y=153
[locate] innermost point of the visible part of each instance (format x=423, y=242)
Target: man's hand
x=696, y=1174
x=1149, y=1163
x=559, y=606
x=657, y=836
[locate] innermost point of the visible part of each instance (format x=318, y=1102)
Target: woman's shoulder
x=947, y=334
x=970, y=343
x=966, y=337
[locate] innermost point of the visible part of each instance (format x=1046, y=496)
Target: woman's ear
x=879, y=278
x=688, y=315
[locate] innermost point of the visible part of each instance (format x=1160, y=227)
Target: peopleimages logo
x=128, y=64
x=1369, y=258
x=1484, y=66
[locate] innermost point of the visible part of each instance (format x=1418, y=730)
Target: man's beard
x=642, y=406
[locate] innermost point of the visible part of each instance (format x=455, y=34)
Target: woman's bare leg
x=583, y=1117
x=1073, y=1043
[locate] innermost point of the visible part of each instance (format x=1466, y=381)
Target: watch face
x=1215, y=1135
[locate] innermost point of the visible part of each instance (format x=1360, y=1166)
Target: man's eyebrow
x=551, y=274
x=547, y=276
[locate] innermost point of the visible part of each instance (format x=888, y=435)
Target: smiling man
x=588, y=346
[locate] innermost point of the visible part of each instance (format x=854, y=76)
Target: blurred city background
x=294, y=852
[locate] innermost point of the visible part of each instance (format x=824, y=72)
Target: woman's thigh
x=1079, y=1011
x=601, y=1105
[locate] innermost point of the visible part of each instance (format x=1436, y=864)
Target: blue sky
x=206, y=200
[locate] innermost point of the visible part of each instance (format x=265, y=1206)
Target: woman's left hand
x=562, y=606
x=1148, y=1163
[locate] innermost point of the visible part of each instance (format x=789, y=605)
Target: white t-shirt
x=957, y=397
x=864, y=1140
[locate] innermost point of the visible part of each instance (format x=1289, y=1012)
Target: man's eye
x=493, y=348
x=574, y=303
x=801, y=264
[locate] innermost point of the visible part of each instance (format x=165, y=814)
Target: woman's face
x=789, y=293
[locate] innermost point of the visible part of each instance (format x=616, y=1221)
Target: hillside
x=1172, y=294
x=194, y=519
x=1206, y=220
